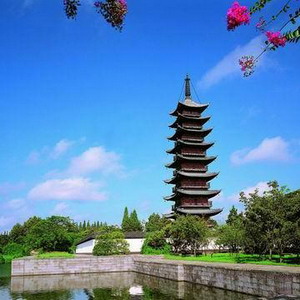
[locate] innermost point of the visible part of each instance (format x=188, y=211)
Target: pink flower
x=247, y=64
x=261, y=24
x=276, y=38
x=237, y=15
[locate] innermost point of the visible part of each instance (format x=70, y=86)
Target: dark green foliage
x=125, y=221
x=4, y=240
x=156, y=239
x=187, y=234
x=293, y=36
x=152, y=251
x=111, y=243
x=131, y=222
x=2, y=260
x=259, y=5
x=52, y=234
x=14, y=250
x=155, y=222
x=135, y=224
x=271, y=220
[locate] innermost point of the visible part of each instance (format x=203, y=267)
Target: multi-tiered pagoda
x=191, y=193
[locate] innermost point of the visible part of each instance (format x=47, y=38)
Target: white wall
x=86, y=247
x=135, y=245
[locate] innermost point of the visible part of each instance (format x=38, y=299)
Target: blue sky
x=84, y=108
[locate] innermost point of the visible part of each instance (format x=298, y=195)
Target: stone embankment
x=268, y=281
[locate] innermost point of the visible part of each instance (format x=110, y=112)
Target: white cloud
x=60, y=148
x=261, y=186
x=60, y=209
x=228, y=65
x=82, y=189
x=17, y=203
x=95, y=159
x=270, y=149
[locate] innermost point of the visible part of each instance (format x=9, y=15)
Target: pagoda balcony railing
x=204, y=169
x=189, y=187
x=191, y=126
x=186, y=205
x=192, y=154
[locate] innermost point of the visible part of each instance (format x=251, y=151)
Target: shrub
x=111, y=243
x=2, y=260
x=156, y=239
x=14, y=250
x=152, y=251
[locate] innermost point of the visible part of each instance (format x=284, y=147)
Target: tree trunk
x=270, y=254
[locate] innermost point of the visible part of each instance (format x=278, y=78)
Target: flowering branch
x=240, y=15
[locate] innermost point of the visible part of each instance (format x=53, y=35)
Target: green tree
x=4, y=240
x=126, y=221
x=135, y=223
x=111, y=243
x=155, y=223
x=49, y=235
x=17, y=234
x=267, y=223
x=187, y=234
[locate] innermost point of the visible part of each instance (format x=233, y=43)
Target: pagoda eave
x=199, y=211
x=190, y=105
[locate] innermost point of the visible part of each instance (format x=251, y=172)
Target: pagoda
x=191, y=193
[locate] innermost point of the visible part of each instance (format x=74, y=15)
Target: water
x=105, y=286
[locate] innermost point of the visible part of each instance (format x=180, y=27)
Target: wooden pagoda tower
x=191, y=193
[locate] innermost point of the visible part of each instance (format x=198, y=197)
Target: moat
x=122, y=285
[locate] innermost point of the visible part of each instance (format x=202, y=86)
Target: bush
x=152, y=251
x=14, y=250
x=2, y=260
x=111, y=243
x=156, y=239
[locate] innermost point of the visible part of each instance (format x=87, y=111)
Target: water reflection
x=112, y=286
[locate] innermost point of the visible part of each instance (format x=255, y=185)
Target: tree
x=268, y=222
x=4, y=240
x=187, y=234
x=125, y=221
x=17, y=234
x=49, y=235
x=241, y=15
x=135, y=223
x=155, y=223
x=111, y=243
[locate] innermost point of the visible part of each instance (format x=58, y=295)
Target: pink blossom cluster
x=247, y=64
x=276, y=38
x=237, y=15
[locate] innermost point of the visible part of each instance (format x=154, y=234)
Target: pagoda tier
x=190, y=134
x=191, y=192
x=189, y=122
x=190, y=162
x=190, y=148
x=188, y=178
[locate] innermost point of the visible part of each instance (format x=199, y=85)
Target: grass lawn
x=55, y=255
x=288, y=260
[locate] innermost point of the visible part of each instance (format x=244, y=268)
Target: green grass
x=288, y=260
x=55, y=255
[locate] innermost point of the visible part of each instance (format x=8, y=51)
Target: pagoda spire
x=187, y=88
